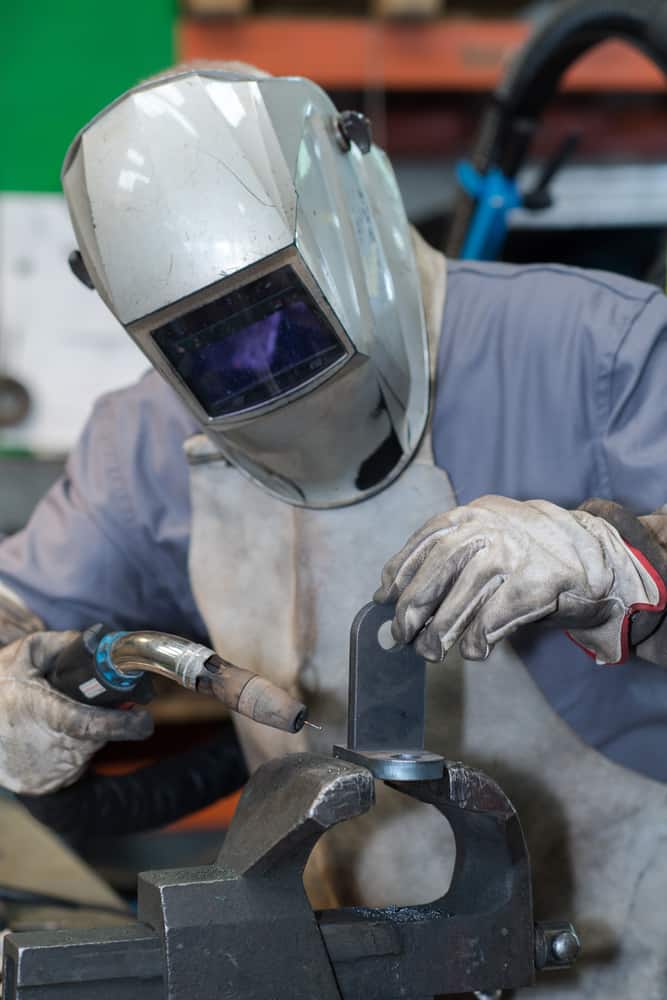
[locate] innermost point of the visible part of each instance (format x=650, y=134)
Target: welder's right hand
x=46, y=739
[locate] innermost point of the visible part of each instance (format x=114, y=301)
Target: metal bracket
x=386, y=703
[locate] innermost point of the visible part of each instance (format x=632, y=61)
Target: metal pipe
x=161, y=653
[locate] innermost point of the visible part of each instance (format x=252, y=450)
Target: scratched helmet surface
x=265, y=268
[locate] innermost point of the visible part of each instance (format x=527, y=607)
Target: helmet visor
x=252, y=346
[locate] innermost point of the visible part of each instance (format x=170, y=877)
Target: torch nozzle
x=195, y=666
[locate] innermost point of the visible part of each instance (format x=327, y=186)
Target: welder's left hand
x=477, y=573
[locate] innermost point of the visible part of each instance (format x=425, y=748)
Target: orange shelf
x=448, y=54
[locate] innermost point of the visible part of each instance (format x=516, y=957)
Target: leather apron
x=278, y=587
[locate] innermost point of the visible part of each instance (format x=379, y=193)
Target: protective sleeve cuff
x=642, y=621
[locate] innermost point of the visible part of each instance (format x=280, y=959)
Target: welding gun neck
x=160, y=653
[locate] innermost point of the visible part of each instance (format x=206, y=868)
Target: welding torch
x=106, y=667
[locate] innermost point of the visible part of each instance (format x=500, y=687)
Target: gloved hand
x=46, y=739
x=478, y=572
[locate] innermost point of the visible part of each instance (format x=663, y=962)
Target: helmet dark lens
x=254, y=345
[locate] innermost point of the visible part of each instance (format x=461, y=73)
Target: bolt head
x=565, y=947
x=353, y=127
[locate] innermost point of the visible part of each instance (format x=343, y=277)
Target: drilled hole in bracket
x=385, y=638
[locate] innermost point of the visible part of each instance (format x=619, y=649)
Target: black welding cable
x=152, y=797
x=510, y=121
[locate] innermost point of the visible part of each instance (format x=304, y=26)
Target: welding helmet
x=254, y=244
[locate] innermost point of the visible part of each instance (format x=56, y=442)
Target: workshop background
x=422, y=70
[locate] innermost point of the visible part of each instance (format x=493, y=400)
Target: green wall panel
x=60, y=63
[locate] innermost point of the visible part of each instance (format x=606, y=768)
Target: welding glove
x=46, y=739
x=477, y=573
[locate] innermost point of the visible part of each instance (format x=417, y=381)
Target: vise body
x=243, y=929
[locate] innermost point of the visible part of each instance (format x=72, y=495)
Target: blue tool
x=496, y=195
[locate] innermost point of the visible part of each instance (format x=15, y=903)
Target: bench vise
x=243, y=929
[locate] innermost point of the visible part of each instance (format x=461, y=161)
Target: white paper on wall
x=56, y=335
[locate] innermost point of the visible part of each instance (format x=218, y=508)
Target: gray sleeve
x=109, y=540
x=635, y=457
x=539, y=371
x=635, y=398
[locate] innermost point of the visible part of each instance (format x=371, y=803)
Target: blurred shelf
x=585, y=196
x=617, y=128
x=458, y=54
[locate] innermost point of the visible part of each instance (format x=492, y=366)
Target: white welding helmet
x=256, y=248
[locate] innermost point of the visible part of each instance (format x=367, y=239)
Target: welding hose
x=509, y=123
x=101, y=805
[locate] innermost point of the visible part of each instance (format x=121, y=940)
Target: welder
x=324, y=384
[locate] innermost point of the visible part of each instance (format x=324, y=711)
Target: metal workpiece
x=386, y=702
x=243, y=928
x=415, y=765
